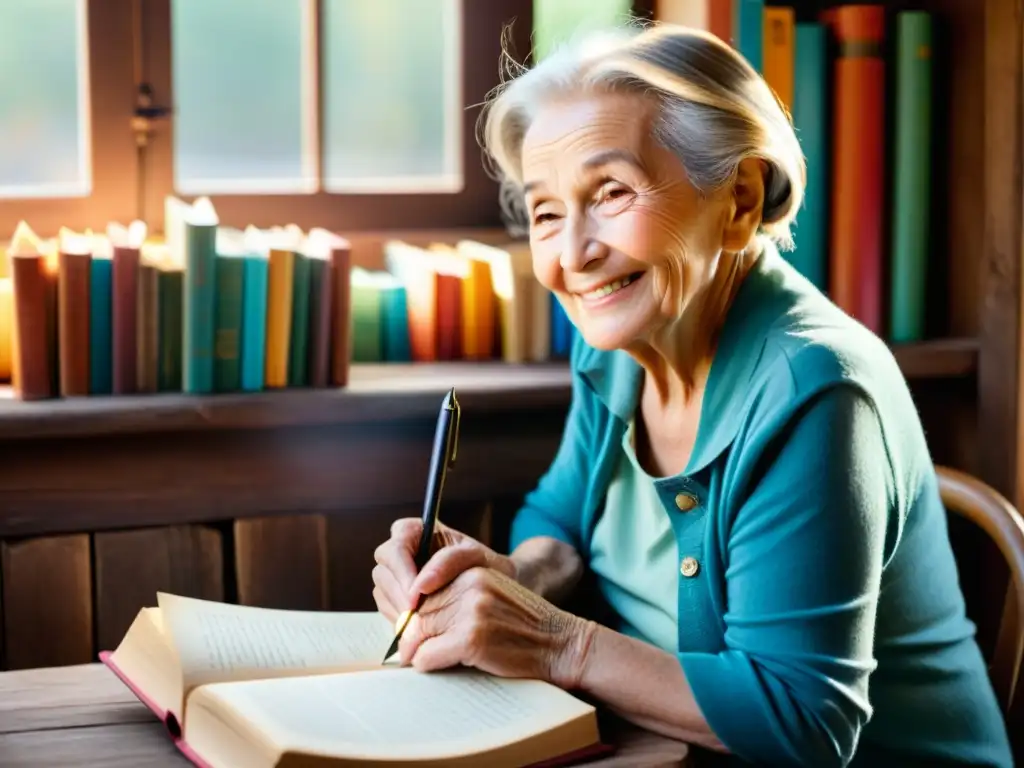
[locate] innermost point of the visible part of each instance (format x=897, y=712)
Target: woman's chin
x=606, y=339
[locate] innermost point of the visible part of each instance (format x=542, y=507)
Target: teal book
x=254, y=321
x=298, y=347
x=810, y=120
x=911, y=193
x=748, y=30
x=200, y=246
x=394, y=324
x=227, y=364
x=561, y=330
x=101, y=328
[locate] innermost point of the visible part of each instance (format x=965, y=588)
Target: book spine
x=279, y=318
x=125, y=306
x=449, y=314
x=199, y=303
x=321, y=293
x=101, y=329
x=147, y=315
x=73, y=272
x=858, y=156
x=366, y=324
x=6, y=328
x=171, y=289
x=810, y=119
x=911, y=195
x=778, y=52
x=341, y=313
x=254, y=322
x=298, y=344
x=394, y=325
x=561, y=330
x=748, y=30
x=228, y=314
x=33, y=369
x=720, y=19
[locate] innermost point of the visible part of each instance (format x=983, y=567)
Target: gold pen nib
x=400, y=625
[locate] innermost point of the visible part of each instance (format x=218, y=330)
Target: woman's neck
x=677, y=360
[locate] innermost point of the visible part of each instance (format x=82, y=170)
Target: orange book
x=34, y=345
x=433, y=286
x=74, y=266
x=778, y=52
x=478, y=303
x=720, y=19
x=857, y=160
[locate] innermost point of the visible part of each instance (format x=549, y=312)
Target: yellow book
x=279, y=316
x=779, y=32
x=524, y=305
x=269, y=688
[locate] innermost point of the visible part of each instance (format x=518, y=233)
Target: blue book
x=748, y=31
x=255, y=277
x=561, y=330
x=101, y=327
x=200, y=239
x=394, y=325
x=810, y=119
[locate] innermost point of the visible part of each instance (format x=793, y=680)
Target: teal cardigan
x=821, y=621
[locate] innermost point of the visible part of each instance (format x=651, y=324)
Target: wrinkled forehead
x=566, y=132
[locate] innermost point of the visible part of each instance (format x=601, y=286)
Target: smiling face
x=617, y=231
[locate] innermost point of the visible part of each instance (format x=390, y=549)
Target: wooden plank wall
x=67, y=597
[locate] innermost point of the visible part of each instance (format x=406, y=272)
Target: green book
x=298, y=347
x=170, y=286
x=200, y=258
x=911, y=194
x=365, y=317
x=227, y=364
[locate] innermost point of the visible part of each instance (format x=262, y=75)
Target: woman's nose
x=579, y=248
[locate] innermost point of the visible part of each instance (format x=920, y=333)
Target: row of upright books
x=863, y=233
x=208, y=308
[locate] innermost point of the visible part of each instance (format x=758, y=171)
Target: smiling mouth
x=612, y=287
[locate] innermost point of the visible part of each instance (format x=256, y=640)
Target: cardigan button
x=686, y=501
x=689, y=567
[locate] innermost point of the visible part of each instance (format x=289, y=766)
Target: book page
x=220, y=641
x=398, y=712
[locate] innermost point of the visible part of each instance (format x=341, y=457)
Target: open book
x=254, y=687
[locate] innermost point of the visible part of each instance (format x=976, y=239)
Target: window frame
x=112, y=151
x=475, y=204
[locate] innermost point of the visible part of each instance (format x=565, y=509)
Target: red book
x=856, y=271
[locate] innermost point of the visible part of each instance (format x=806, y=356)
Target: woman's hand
x=485, y=619
x=396, y=584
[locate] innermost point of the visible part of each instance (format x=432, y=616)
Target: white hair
x=714, y=111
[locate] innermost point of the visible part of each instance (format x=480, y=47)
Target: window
x=556, y=20
x=248, y=106
x=44, y=99
x=244, y=99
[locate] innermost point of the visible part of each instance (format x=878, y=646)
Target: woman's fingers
x=384, y=580
x=437, y=616
x=396, y=554
x=447, y=564
x=384, y=605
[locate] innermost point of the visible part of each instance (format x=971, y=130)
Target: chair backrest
x=981, y=504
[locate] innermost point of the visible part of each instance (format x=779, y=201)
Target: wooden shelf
x=377, y=393
x=938, y=358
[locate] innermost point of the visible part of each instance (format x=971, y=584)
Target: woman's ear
x=745, y=205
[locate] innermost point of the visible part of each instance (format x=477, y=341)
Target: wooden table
x=83, y=716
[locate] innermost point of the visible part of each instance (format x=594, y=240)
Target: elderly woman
x=742, y=472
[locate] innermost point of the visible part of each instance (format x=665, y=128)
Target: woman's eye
x=611, y=194
x=544, y=216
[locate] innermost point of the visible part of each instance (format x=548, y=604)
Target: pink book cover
x=173, y=728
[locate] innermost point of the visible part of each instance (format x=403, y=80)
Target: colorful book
x=810, y=120
x=778, y=52
x=254, y=311
x=338, y=251
x=126, y=244
x=191, y=233
x=298, y=343
x=748, y=30
x=911, y=194
x=74, y=269
x=101, y=326
x=33, y=270
x=228, y=310
x=280, y=293
x=858, y=157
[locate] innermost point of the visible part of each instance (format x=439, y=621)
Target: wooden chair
x=985, y=507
